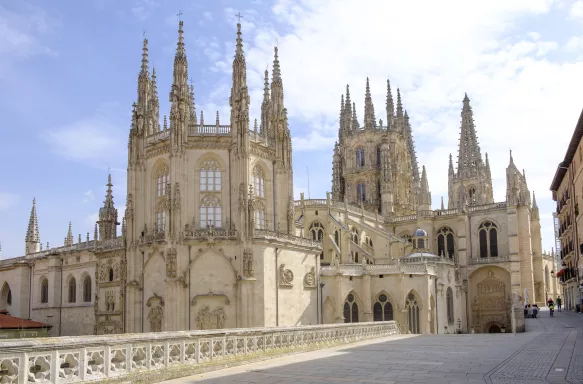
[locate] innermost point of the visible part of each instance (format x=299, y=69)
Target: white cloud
x=576, y=10
x=208, y=16
x=89, y=196
x=95, y=140
x=7, y=200
x=142, y=9
x=574, y=44
x=24, y=29
x=521, y=99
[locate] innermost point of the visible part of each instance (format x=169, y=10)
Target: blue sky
x=68, y=75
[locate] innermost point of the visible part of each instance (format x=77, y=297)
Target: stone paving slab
x=550, y=352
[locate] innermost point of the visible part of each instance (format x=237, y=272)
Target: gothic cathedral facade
x=211, y=237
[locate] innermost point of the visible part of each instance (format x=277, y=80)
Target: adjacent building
x=567, y=190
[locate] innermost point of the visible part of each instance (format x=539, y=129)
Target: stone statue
x=286, y=276
x=310, y=278
x=155, y=317
x=248, y=263
x=171, y=263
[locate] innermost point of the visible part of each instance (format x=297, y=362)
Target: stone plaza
x=551, y=351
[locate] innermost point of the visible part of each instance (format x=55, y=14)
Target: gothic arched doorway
x=494, y=329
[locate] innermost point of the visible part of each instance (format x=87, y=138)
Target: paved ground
x=550, y=352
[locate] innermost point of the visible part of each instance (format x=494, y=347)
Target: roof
x=11, y=322
x=571, y=150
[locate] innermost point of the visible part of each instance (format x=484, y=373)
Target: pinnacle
x=32, y=234
x=144, y=58
x=276, y=77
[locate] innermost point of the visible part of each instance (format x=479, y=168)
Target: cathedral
x=211, y=237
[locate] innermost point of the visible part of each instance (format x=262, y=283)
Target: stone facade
x=211, y=237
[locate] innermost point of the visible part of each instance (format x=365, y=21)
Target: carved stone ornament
x=177, y=196
x=449, y=276
x=110, y=301
x=310, y=279
x=129, y=206
x=286, y=276
x=248, y=263
x=242, y=196
x=210, y=294
x=109, y=327
x=156, y=313
x=207, y=319
x=336, y=262
x=171, y=263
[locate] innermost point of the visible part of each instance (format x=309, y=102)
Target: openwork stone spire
x=264, y=129
x=69, y=238
x=369, y=117
x=108, y=215
x=32, y=234
x=424, y=193
x=390, y=106
x=469, y=157
x=534, y=212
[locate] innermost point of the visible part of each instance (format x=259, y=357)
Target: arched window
x=350, y=309
x=449, y=300
x=259, y=215
x=210, y=176
x=368, y=241
x=472, y=196
x=383, y=309
x=162, y=180
x=354, y=235
x=488, y=236
x=354, y=256
x=412, y=306
x=110, y=274
x=161, y=217
x=360, y=160
x=72, y=290
x=258, y=180
x=360, y=192
x=210, y=212
x=317, y=231
x=5, y=296
x=44, y=290
x=445, y=243
x=337, y=237
x=87, y=289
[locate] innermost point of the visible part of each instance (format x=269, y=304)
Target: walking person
x=559, y=303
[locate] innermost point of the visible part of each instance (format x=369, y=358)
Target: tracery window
x=9, y=297
x=360, y=159
x=5, y=296
x=210, y=212
x=361, y=192
x=317, y=231
x=258, y=180
x=162, y=180
x=378, y=156
x=72, y=290
x=87, y=289
x=354, y=235
x=260, y=215
x=161, y=217
x=383, y=309
x=337, y=238
x=449, y=300
x=472, y=196
x=445, y=243
x=350, y=309
x=110, y=273
x=368, y=241
x=488, y=236
x=412, y=306
x=44, y=290
x=210, y=176
x=354, y=256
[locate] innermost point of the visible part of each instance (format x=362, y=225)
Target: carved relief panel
x=155, y=305
x=489, y=304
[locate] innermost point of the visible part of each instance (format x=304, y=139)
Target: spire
x=451, y=172
x=399, y=104
x=341, y=119
x=348, y=111
x=369, y=117
x=179, y=96
x=355, y=125
x=239, y=99
x=442, y=205
x=144, y=71
x=424, y=193
x=108, y=215
x=276, y=87
x=69, y=238
x=193, y=119
x=180, y=84
x=534, y=210
x=155, y=103
x=469, y=157
x=390, y=105
x=511, y=159
x=32, y=234
x=264, y=131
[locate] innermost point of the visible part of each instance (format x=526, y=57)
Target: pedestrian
x=535, y=311
x=529, y=311
x=549, y=302
x=559, y=303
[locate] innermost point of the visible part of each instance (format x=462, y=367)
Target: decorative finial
x=239, y=16
x=179, y=15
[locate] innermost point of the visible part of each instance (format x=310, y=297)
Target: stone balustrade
x=488, y=260
x=409, y=266
x=286, y=238
x=159, y=356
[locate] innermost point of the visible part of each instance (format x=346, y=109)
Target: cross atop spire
x=239, y=16
x=179, y=14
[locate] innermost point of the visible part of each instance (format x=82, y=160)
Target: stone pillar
x=339, y=299
x=366, y=298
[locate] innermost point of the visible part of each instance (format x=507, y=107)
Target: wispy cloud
x=7, y=200
x=88, y=196
x=25, y=29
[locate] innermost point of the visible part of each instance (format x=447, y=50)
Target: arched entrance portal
x=494, y=329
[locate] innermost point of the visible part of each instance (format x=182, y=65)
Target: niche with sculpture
x=155, y=312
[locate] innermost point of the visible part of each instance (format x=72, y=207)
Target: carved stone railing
x=486, y=207
x=166, y=355
x=153, y=237
x=411, y=265
x=116, y=243
x=210, y=130
x=215, y=233
x=287, y=238
x=488, y=260
x=403, y=218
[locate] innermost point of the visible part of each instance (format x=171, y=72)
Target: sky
x=68, y=78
